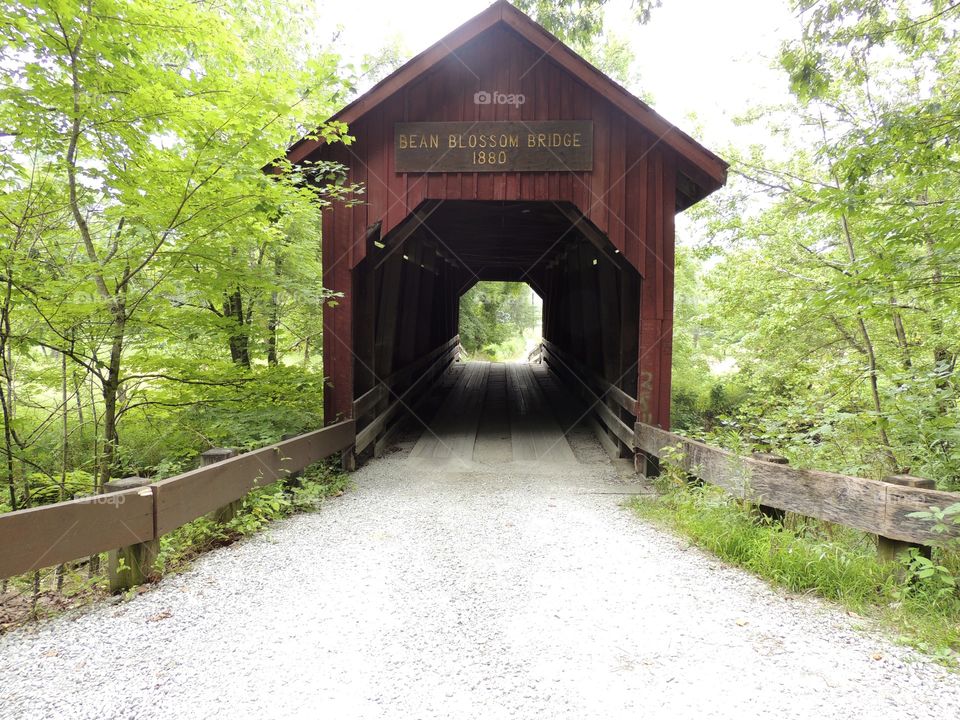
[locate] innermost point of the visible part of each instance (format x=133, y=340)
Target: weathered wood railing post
x=772, y=514
x=646, y=464
x=889, y=549
x=348, y=459
x=229, y=511
x=131, y=565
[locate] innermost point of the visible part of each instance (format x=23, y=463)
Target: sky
x=711, y=58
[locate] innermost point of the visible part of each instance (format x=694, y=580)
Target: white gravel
x=473, y=592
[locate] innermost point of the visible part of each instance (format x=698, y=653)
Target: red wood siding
x=629, y=195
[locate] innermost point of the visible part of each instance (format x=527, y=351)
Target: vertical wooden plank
x=437, y=106
x=388, y=302
x=416, y=109
x=514, y=70
x=541, y=111
x=377, y=149
x=616, y=187
x=471, y=111
x=668, y=201
x=635, y=209
x=410, y=316
x=393, y=110
x=565, y=90
x=358, y=173
x=553, y=112
x=600, y=177
x=487, y=70
x=629, y=330
x=609, y=317
x=651, y=311
x=581, y=181
x=337, y=317
x=502, y=112
x=528, y=112
x=659, y=212
x=364, y=309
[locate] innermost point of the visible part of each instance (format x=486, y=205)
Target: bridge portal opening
x=500, y=321
x=485, y=274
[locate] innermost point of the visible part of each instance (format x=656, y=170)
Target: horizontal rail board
x=369, y=433
x=369, y=400
x=193, y=494
x=603, y=386
x=381, y=391
x=52, y=534
x=869, y=505
x=605, y=416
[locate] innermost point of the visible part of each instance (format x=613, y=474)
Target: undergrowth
x=917, y=598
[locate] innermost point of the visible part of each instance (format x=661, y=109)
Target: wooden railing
x=874, y=506
x=603, y=398
x=52, y=534
x=402, y=390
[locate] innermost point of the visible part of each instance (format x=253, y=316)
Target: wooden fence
x=873, y=506
x=52, y=534
x=606, y=402
x=386, y=403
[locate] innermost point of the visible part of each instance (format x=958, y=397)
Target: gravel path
x=483, y=591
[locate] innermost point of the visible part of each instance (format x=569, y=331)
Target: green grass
x=808, y=556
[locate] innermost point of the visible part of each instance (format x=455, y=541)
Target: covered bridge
x=501, y=154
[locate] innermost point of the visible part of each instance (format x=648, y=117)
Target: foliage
x=580, y=24
x=158, y=290
x=830, y=285
x=494, y=317
x=703, y=394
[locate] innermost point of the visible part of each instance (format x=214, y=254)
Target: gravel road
x=466, y=591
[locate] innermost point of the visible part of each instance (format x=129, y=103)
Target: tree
x=493, y=314
x=136, y=134
x=580, y=24
x=837, y=292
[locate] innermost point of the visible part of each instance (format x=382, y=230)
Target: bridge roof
x=712, y=169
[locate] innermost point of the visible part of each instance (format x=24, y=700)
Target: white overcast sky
x=711, y=58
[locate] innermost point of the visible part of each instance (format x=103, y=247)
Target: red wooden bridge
x=497, y=154
x=500, y=154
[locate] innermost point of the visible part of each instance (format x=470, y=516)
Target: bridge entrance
x=500, y=154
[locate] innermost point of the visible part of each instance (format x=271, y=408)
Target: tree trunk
x=109, y=453
x=6, y=399
x=111, y=391
x=272, y=324
x=239, y=338
x=881, y=419
x=901, y=334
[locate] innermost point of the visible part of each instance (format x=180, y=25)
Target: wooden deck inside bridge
x=498, y=412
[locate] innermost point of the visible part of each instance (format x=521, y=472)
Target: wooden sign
x=494, y=146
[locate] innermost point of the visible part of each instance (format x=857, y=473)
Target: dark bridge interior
x=406, y=297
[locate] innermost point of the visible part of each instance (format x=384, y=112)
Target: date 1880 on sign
x=494, y=146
